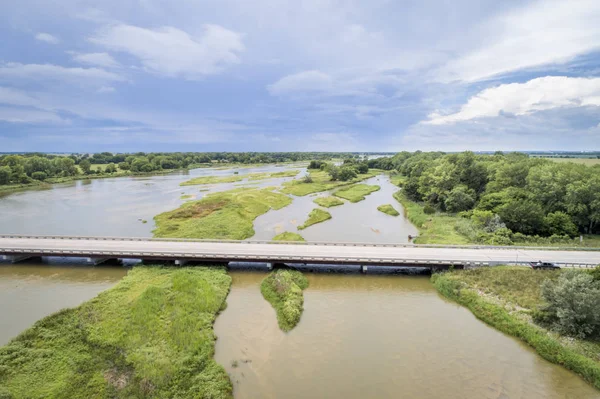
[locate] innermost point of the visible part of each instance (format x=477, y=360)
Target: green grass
x=356, y=192
x=224, y=215
x=397, y=180
x=288, y=236
x=504, y=297
x=149, y=336
x=388, y=209
x=584, y=161
x=321, y=182
x=186, y=196
x=283, y=290
x=433, y=229
x=315, y=216
x=328, y=202
x=238, y=178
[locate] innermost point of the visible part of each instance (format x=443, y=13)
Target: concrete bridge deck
x=18, y=247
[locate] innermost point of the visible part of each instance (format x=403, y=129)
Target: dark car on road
x=543, y=265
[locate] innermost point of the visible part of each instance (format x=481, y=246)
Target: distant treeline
x=31, y=167
x=504, y=194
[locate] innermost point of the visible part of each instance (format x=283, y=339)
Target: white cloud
x=106, y=89
x=304, y=81
x=173, y=52
x=99, y=59
x=33, y=116
x=523, y=98
x=47, y=37
x=17, y=97
x=545, y=32
x=49, y=72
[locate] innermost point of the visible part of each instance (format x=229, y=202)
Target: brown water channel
x=377, y=337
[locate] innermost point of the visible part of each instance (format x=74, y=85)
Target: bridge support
x=16, y=258
x=96, y=261
x=181, y=262
x=363, y=269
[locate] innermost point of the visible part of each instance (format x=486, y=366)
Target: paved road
x=240, y=251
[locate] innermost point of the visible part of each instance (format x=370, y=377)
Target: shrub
x=41, y=176
x=595, y=273
x=572, y=304
x=428, y=210
x=307, y=179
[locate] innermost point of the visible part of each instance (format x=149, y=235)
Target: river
x=360, y=336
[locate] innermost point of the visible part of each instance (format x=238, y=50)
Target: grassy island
x=328, y=202
x=315, y=216
x=388, y=209
x=356, y=192
x=320, y=181
x=223, y=215
x=237, y=178
x=288, y=236
x=149, y=336
x=508, y=298
x=283, y=289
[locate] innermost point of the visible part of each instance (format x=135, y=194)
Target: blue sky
x=301, y=75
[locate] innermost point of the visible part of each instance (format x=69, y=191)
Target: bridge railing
x=320, y=243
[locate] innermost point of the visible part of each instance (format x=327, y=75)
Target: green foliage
x=236, y=177
x=595, y=273
x=85, y=166
x=321, y=181
x=307, y=179
x=559, y=223
x=328, y=202
x=149, y=336
x=460, y=198
x=316, y=164
x=315, y=216
x=508, y=288
x=283, y=290
x=428, y=210
x=222, y=215
x=356, y=192
x=573, y=304
x=388, y=209
x=288, y=236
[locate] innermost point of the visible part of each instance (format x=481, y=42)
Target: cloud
x=50, y=72
x=47, y=37
x=17, y=97
x=306, y=81
x=98, y=59
x=106, y=89
x=544, y=32
x=523, y=98
x=173, y=52
x=30, y=116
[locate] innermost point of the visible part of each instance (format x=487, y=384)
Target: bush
x=572, y=304
x=428, y=210
x=307, y=179
x=347, y=173
x=595, y=273
x=41, y=176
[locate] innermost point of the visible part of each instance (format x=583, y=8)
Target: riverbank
x=506, y=298
x=150, y=335
x=283, y=290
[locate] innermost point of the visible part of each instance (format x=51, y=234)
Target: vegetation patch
x=267, y=175
x=388, y=209
x=288, y=236
x=223, y=215
x=315, y=216
x=328, y=202
x=283, y=290
x=319, y=181
x=237, y=178
x=507, y=298
x=356, y=192
x=149, y=336
x=186, y=196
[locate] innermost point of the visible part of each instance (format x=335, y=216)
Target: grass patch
x=267, y=175
x=287, y=236
x=356, y=192
x=433, y=229
x=237, y=178
x=328, y=202
x=186, y=196
x=398, y=179
x=388, y=209
x=504, y=297
x=149, y=336
x=283, y=290
x=315, y=216
x=225, y=215
x=321, y=181
x=584, y=161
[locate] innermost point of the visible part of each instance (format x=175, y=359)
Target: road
x=270, y=252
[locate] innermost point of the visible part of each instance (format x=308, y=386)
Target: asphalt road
x=239, y=251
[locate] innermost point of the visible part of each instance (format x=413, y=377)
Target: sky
x=299, y=75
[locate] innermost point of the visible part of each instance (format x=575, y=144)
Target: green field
x=149, y=336
x=237, y=178
x=388, y=209
x=315, y=216
x=223, y=215
x=328, y=202
x=287, y=236
x=584, y=161
x=506, y=298
x=321, y=181
x=356, y=192
x=283, y=290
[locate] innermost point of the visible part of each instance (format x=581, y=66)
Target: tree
x=41, y=176
x=560, y=223
x=461, y=198
x=85, y=166
x=572, y=304
x=362, y=168
x=110, y=168
x=347, y=173
x=526, y=216
x=5, y=173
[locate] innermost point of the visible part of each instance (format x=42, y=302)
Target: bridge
x=99, y=249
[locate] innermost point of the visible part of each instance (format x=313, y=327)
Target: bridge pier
x=363, y=269
x=17, y=258
x=96, y=261
x=181, y=262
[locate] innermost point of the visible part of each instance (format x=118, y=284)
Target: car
x=543, y=265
